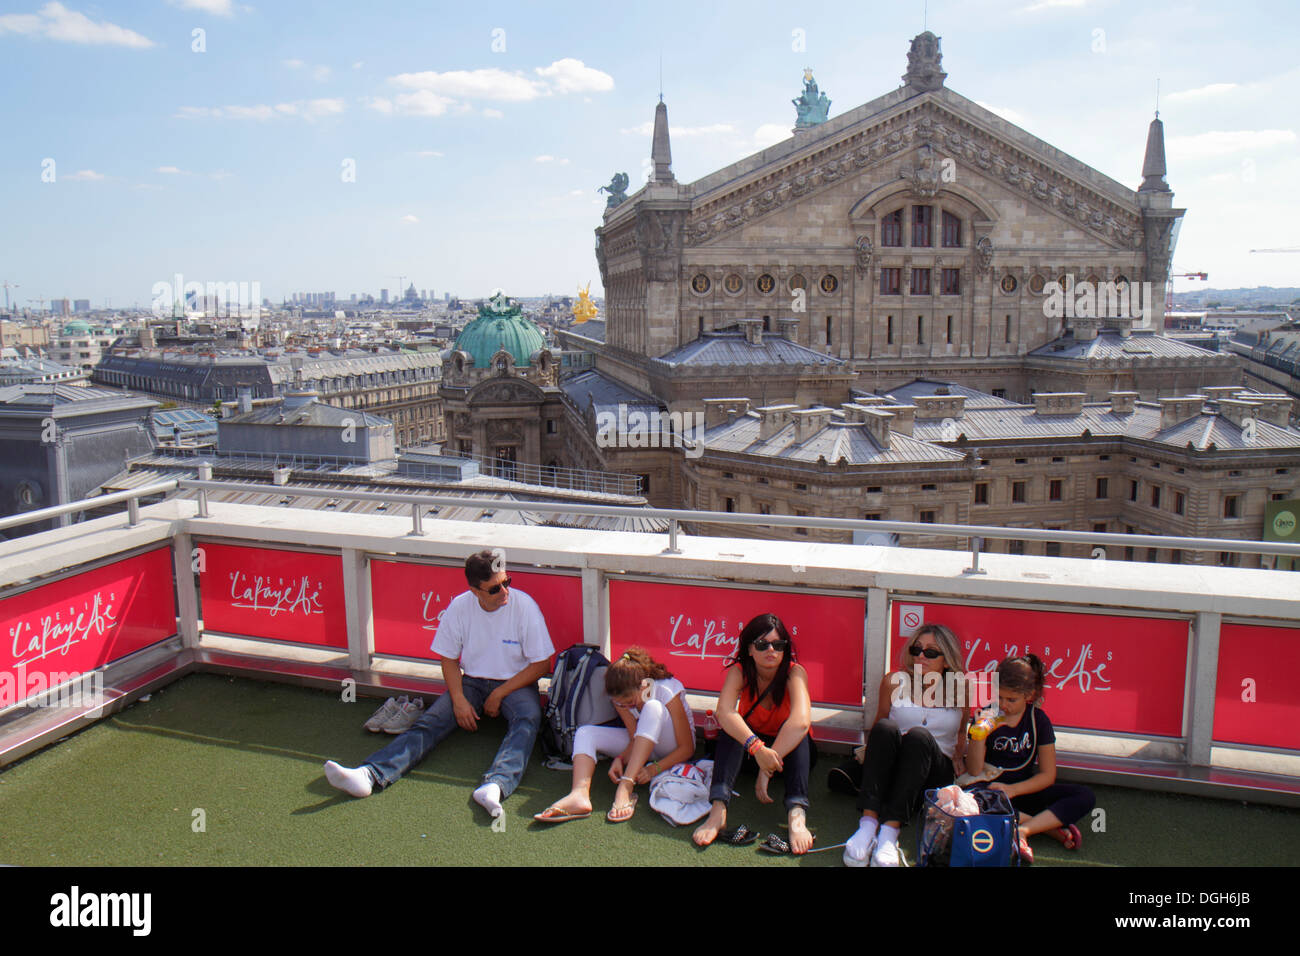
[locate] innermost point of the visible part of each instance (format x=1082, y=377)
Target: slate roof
x=606, y=393
x=1111, y=345
x=905, y=394
x=732, y=349
x=836, y=440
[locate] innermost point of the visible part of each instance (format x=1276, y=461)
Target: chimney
x=1216, y=392
x=753, y=329
x=904, y=418
x=1175, y=411
x=1237, y=411
x=877, y=421
x=772, y=418
x=298, y=399
x=869, y=400
x=1274, y=409
x=787, y=327
x=280, y=476
x=1059, y=403
x=1121, y=403
x=940, y=406
x=720, y=410
x=809, y=421
x=245, y=394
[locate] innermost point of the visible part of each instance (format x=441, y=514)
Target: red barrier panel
x=84, y=622
x=293, y=596
x=409, y=599
x=1104, y=672
x=691, y=629
x=1255, y=698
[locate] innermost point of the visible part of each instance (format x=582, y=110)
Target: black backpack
x=577, y=696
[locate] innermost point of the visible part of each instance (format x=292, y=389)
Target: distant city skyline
x=333, y=147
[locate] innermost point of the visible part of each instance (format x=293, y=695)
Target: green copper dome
x=500, y=325
x=77, y=327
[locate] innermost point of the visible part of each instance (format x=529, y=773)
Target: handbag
x=989, y=838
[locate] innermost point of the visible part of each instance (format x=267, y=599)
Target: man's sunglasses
x=496, y=588
x=917, y=650
x=772, y=645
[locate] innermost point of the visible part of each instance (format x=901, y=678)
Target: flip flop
x=1069, y=836
x=774, y=844
x=740, y=836
x=630, y=805
x=559, y=815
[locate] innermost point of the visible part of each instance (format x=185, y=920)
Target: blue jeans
x=522, y=710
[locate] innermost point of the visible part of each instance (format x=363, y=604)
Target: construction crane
x=401, y=287
x=1169, y=286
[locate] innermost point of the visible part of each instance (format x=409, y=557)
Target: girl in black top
x=1025, y=747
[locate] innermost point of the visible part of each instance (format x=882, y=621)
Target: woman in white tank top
x=911, y=747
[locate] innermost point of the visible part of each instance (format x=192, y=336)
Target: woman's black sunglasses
x=930, y=652
x=496, y=588
x=774, y=645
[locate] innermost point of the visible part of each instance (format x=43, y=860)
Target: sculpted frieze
x=1001, y=160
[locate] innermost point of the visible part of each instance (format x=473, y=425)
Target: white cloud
x=490, y=84
x=427, y=153
x=358, y=65
x=544, y=158
x=769, y=134
x=422, y=103
x=1008, y=114
x=1051, y=4
x=320, y=73
x=85, y=175
x=294, y=64
x=1226, y=142
x=171, y=170
x=717, y=129
x=380, y=104
x=573, y=76
x=221, y=174
x=1200, y=93
x=57, y=22
x=218, y=8
x=409, y=218
x=306, y=109
x=494, y=114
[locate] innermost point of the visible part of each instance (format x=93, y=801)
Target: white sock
x=356, y=782
x=860, y=842
x=488, y=797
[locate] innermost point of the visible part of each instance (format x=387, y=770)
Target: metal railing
x=976, y=534
x=573, y=479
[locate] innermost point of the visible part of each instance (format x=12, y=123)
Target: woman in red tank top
x=765, y=712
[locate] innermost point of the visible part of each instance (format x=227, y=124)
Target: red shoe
x=1069, y=836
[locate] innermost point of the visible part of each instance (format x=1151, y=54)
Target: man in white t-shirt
x=494, y=648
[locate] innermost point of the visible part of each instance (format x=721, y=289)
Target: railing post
x=205, y=474
x=595, y=609
x=358, y=609
x=132, y=512
x=672, y=538
x=417, y=519
x=185, y=564
x=1205, y=678
x=875, y=651
x=975, y=545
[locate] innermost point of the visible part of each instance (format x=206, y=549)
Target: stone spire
x=660, y=152
x=925, y=63
x=1153, y=166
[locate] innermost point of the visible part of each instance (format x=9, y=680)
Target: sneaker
x=887, y=854
x=405, y=715
x=384, y=714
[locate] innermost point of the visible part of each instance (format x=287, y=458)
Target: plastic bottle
x=710, y=733
x=986, y=723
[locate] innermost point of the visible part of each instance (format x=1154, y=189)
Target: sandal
x=740, y=836
x=1026, y=854
x=559, y=815
x=774, y=844
x=1069, y=836
x=630, y=806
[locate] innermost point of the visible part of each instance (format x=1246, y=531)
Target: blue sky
x=479, y=133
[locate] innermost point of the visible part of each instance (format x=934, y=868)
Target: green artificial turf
x=248, y=754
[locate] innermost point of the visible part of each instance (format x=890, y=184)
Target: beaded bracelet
x=753, y=744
